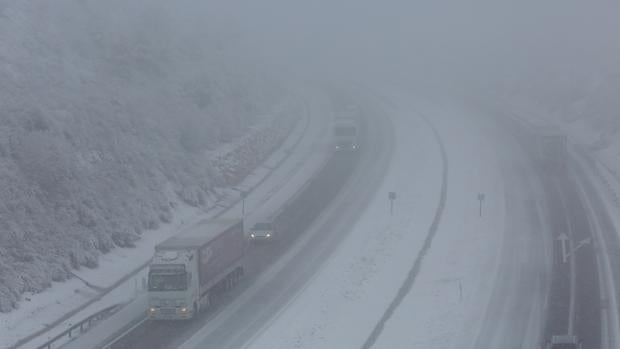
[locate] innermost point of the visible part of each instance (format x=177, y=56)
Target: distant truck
x=552, y=150
x=346, y=132
x=186, y=269
x=564, y=342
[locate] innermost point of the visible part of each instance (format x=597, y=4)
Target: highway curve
x=326, y=209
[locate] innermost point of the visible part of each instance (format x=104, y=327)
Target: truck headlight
x=268, y=235
x=152, y=310
x=252, y=236
x=184, y=310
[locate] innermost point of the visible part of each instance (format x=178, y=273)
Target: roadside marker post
x=481, y=198
x=392, y=198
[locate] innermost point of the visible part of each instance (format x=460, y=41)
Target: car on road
x=564, y=342
x=263, y=231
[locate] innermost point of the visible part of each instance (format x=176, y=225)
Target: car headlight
x=252, y=235
x=184, y=310
x=268, y=235
x=152, y=310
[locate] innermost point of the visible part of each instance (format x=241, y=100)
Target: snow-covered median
x=344, y=301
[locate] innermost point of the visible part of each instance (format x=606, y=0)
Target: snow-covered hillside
x=111, y=113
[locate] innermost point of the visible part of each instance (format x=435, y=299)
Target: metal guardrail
x=81, y=327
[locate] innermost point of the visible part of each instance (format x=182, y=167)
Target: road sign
x=564, y=239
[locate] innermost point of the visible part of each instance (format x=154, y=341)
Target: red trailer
x=187, y=268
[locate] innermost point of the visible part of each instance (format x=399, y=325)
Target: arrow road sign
x=563, y=238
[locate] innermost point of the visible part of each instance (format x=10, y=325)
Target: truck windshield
x=345, y=131
x=167, y=282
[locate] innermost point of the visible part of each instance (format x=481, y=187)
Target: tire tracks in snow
x=407, y=285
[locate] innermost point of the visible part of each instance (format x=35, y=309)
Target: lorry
x=188, y=268
x=346, y=132
x=564, y=342
x=552, y=150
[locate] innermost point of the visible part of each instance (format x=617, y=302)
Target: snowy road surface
x=556, y=294
x=281, y=269
x=486, y=282
x=434, y=274
x=343, y=303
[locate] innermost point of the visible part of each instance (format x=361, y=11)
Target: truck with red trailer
x=186, y=269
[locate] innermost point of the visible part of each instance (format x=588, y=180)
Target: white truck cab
x=172, y=285
x=346, y=134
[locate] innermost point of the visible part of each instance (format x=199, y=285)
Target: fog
x=478, y=41
x=467, y=41
x=116, y=115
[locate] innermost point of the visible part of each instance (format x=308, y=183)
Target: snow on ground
x=447, y=305
x=271, y=184
x=345, y=299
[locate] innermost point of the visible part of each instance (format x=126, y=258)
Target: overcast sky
x=483, y=38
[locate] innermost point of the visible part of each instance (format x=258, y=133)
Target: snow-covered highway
x=440, y=271
x=309, y=174
x=485, y=282
x=435, y=273
x=279, y=270
x=343, y=302
x=272, y=184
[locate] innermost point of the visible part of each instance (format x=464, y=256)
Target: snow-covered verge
x=340, y=306
x=113, y=115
